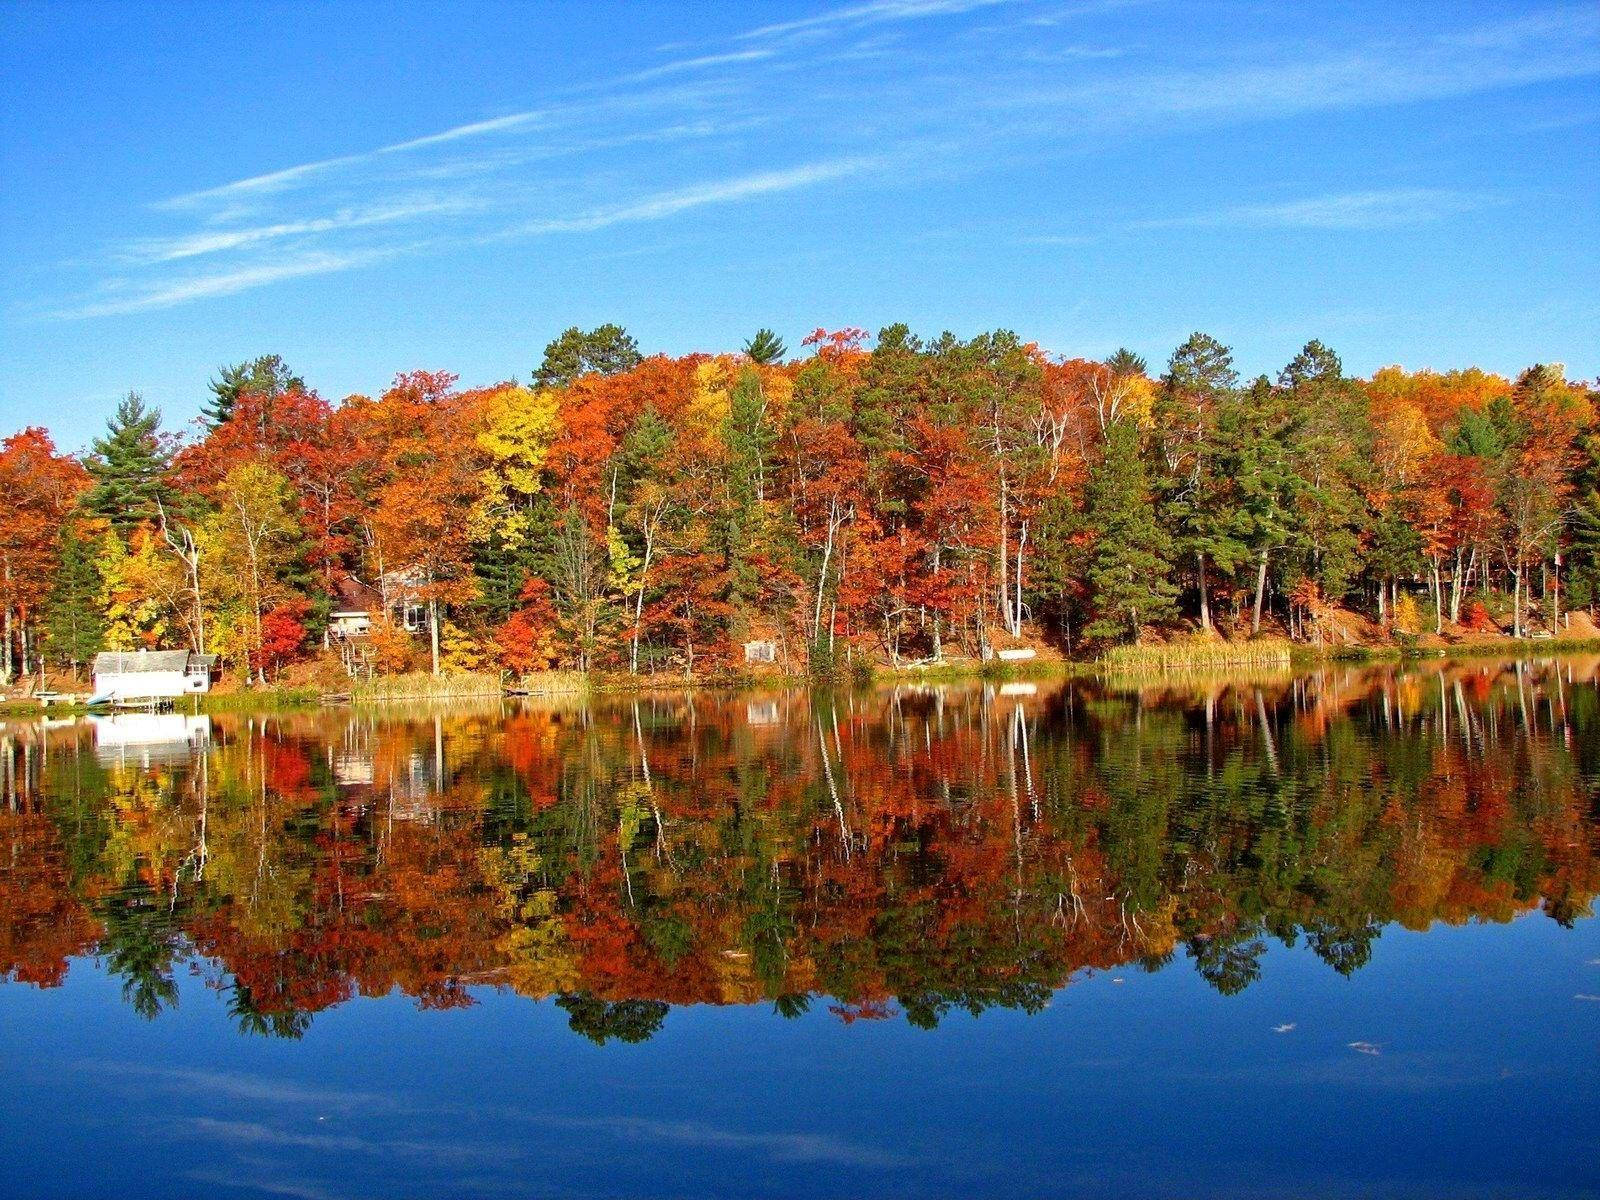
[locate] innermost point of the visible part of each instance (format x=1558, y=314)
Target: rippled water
x=1325, y=934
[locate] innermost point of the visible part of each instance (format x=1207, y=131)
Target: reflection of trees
x=602, y=1021
x=925, y=850
x=142, y=945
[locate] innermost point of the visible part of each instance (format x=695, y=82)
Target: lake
x=1321, y=934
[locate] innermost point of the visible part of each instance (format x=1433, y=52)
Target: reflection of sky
x=1483, y=1083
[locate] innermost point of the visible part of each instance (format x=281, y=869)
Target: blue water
x=1482, y=1080
x=637, y=896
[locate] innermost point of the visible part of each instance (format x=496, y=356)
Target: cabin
x=139, y=675
x=357, y=602
x=760, y=652
x=360, y=604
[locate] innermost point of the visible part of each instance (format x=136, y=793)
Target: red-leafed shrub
x=283, y=637
x=1477, y=618
x=527, y=641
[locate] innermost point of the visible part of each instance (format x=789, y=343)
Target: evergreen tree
x=765, y=348
x=1257, y=436
x=889, y=382
x=127, y=466
x=267, y=376
x=1126, y=364
x=750, y=437
x=74, y=630
x=1476, y=434
x=1129, y=566
x=1199, y=385
x=606, y=350
x=1583, y=565
x=1333, y=454
x=1059, y=564
x=1314, y=364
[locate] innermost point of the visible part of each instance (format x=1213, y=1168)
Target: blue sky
x=371, y=189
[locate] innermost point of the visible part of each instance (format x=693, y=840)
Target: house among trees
x=120, y=677
x=357, y=602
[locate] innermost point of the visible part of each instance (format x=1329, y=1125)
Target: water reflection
x=902, y=852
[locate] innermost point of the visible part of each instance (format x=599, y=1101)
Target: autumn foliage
x=877, y=500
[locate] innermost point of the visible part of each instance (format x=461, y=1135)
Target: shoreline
x=575, y=684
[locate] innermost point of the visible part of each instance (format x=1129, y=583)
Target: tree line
x=867, y=501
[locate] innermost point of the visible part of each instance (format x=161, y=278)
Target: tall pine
x=1129, y=567
x=127, y=465
x=1199, y=384
x=267, y=376
x=74, y=630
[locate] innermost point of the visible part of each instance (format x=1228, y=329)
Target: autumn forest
x=870, y=501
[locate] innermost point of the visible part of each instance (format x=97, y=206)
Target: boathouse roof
x=113, y=662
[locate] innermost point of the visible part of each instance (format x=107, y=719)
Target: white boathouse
x=140, y=675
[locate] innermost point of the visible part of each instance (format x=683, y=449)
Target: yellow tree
x=253, y=543
x=518, y=427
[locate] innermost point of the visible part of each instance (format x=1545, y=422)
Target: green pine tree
x=74, y=629
x=605, y=350
x=765, y=347
x=128, y=465
x=750, y=438
x=267, y=376
x=1199, y=385
x=1129, y=567
x=1257, y=436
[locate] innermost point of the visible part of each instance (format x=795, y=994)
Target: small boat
x=105, y=699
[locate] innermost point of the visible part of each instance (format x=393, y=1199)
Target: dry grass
x=1198, y=655
x=419, y=685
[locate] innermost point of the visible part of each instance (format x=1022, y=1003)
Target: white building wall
x=149, y=685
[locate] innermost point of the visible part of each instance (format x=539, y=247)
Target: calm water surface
x=1287, y=936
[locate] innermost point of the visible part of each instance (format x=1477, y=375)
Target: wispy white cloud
x=274, y=181
x=170, y=249
x=1384, y=209
x=1563, y=44
x=697, y=64
x=875, y=13
x=120, y=296
x=723, y=191
x=829, y=92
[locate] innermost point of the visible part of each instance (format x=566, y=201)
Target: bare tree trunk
x=1205, y=602
x=822, y=579
x=638, y=603
x=1005, y=569
x=1455, y=591
x=1261, y=592
x=433, y=632
x=1022, y=541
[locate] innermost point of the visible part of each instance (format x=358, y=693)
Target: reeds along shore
x=1190, y=656
x=420, y=685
